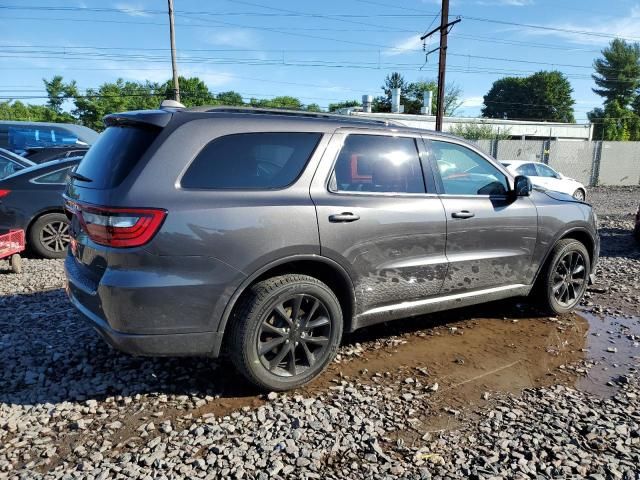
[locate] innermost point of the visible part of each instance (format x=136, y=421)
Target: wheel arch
x=40, y=213
x=317, y=266
x=581, y=234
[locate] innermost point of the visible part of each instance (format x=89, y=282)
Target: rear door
x=490, y=234
x=380, y=218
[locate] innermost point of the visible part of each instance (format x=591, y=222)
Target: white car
x=544, y=176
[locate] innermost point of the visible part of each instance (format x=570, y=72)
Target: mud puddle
x=612, y=353
x=469, y=359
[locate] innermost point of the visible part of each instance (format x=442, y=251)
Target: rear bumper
x=142, y=312
x=177, y=344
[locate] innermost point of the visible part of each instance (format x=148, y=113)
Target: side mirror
x=522, y=186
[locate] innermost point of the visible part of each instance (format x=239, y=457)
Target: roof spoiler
x=140, y=118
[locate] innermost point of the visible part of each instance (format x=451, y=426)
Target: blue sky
x=321, y=52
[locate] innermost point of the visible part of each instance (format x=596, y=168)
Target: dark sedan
x=636, y=230
x=32, y=200
x=46, y=154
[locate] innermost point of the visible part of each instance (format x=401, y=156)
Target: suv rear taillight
x=4, y=193
x=118, y=227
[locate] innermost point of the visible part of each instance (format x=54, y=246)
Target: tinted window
x=464, y=172
x=545, y=171
x=114, y=155
x=527, y=169
x=57, y=177
x=251, y=161
x=376, y=163
x=21, y=137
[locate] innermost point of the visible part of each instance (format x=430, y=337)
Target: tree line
x=90, y=107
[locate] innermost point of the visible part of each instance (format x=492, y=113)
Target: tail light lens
x=119, y=227
x=4, y=193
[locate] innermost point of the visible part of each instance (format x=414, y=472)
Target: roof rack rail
x=288, y=112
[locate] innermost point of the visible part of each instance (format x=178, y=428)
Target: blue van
x=19, y=136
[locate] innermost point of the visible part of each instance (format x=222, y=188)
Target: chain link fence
x=592, y=163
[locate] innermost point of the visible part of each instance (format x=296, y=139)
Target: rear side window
x=251, y=161
x=378, y=163
x=59, y=177
x=113, y=156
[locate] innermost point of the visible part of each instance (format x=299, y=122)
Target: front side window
x=251, y=161
x=59, y=177
x=544, y=171
x=465, y=172
x=528, y=169
x=378, y=163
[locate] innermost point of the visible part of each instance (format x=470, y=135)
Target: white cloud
x=232, y=37
x=506, y=3
x=625, y=26
x=471, y=102
x=406, y=45
x=133, y=10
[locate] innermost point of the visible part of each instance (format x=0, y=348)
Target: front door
x=491, y=235
x=380, y=220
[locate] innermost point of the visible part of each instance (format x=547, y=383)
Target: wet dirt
x=612, y=353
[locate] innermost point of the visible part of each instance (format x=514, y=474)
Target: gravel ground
x=70, y=407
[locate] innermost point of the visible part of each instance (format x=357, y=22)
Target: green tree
x=346, y=104
x=193, y=92
x=118, y=96
x=618, y=72
x=16, y=110
x=615, y=123
x=545, y=95
x=230, y=98
x=58, y=92
x=474, y=131
x=287, y=102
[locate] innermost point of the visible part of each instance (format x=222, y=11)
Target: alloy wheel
x=294, y=336
x=569, y=279
x=55, y=236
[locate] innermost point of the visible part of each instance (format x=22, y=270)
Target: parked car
x=18, y=137
x=46, y=154
x=636, y=230
x=267, y=234
x=31, y=199
x=544, y=176
x=10, y=163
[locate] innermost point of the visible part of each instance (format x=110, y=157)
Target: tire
x=557, y=291
x=261, y=340
x=49, y=235
x=579, y=195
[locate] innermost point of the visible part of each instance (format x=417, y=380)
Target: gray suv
x=266, y=235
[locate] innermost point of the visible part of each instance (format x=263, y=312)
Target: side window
x=378, y=163
x=528, y=169
x=59, y=177
x=545, y=171
x=464, y=172
x=8, y=167
x=251, y=161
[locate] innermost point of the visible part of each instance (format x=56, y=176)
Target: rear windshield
x=114, y=155
x=251, y=161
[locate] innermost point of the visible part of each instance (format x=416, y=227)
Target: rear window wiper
x=80, y=177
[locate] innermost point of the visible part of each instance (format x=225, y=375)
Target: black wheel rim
x=54, y=236
x=569, y=279
x=294, y=336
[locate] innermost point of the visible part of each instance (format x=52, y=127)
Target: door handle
x=463, y=214
x=344, y=217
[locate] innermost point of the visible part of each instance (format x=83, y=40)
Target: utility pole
x=444, y=28
x=442, y=63
x=174, y=66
